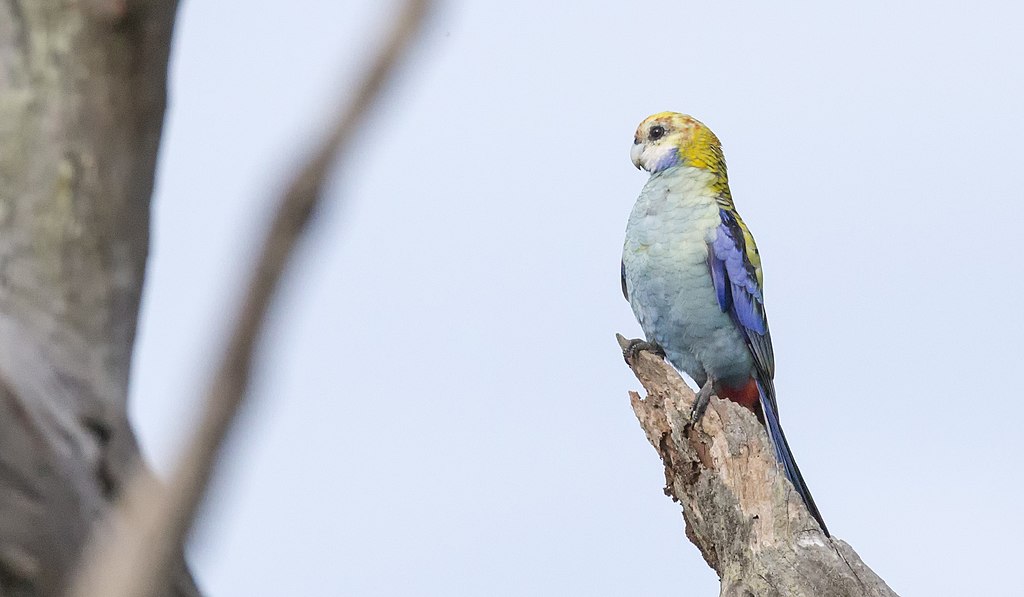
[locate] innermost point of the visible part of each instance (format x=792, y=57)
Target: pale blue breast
x=668, y=280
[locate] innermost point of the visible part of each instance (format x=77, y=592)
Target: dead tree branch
x=152, y=520
x=740, y=511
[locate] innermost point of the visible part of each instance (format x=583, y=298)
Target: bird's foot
x=701, y=403
x=637, y=345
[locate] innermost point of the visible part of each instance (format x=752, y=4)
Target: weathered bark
x=740, y=511
x=82, y=94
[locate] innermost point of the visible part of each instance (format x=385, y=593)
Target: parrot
x=692, y=274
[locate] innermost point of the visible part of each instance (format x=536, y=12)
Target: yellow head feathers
x=670, y=139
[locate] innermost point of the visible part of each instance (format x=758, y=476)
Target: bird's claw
x=636, y=345
x=700, y=404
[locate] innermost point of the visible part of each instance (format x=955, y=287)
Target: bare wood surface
x=82, y=95
x=740, y=510
x=152, y=520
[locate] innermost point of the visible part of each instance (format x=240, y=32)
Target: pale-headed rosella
x=692, y=274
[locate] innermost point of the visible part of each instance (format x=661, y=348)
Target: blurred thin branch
x=134, y=554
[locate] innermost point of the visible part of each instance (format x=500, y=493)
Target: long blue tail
x=784, y=455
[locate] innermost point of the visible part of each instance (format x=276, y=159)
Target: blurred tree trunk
x=82, y=95
x=740, y=511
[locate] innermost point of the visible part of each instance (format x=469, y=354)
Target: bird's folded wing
x=736, y=271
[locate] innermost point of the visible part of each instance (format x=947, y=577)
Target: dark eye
x=657, y=132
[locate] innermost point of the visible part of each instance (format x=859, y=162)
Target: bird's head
x=670, y=139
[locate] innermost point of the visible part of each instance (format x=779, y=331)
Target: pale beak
x=635, y=153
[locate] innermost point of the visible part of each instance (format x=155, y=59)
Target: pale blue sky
x=441, y=408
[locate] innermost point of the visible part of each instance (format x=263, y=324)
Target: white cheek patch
x=659, y=157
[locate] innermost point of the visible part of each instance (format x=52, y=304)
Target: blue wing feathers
x=737, y=278
x=721, y=282
x=739, y=292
